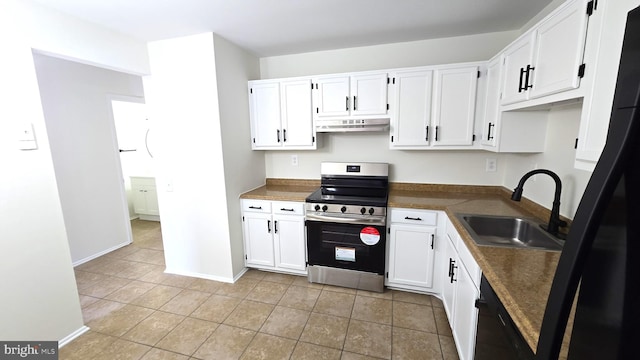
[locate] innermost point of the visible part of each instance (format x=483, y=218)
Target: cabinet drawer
x=262, y=206
x=418, y=217
x=288, y=208
x=469, y=263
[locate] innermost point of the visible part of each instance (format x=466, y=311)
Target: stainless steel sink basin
x=507, y=231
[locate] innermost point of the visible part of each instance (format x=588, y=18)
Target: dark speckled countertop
x=520, y=277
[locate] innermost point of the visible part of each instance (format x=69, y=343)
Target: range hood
x=352, y=125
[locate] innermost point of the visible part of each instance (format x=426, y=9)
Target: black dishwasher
x=497, y=337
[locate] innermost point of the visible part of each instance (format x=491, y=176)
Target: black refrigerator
x=601, y=256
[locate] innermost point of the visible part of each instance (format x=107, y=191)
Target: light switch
x=26, y=137
x=25, y=133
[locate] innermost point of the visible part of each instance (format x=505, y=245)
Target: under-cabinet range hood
x=352, y=125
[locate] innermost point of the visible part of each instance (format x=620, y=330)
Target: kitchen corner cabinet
x=411, y=249
x=512, y=131
x=460, y=292
x=433, y=107
x=547, y=59
x=280, y=114
x=350, y=95
x=274, y=235
x=145, y=197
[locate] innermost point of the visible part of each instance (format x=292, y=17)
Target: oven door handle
x=346, y=220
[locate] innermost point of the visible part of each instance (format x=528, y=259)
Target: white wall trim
x=89, y=258
x=207, y=276
x=67, y=339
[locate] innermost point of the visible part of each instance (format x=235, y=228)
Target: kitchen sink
x=508, y=231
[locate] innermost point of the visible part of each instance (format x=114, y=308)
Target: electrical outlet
x=491, y=165
x=533, y=167
x=294, y=160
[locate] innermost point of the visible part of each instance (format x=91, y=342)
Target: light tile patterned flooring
x=136, y=311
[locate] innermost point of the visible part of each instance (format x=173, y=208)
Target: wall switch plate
x=26, y=137
x=169, y=186
x=294, y=160
x=491, y=165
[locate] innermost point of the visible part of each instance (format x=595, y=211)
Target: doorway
x=135, y=139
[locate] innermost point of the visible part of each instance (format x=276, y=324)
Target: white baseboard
x=89, y=258
x=149, y=217
x=67, y=339
x=201, y=276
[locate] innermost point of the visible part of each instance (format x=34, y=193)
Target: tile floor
x=136, y=311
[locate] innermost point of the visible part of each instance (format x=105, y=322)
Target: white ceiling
x=278, y=27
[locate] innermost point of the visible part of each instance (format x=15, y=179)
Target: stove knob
x=363, y=210
x=317, y=207
x=371, y=211
x=343, y=209
x=324, y=207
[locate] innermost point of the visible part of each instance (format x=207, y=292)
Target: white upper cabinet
x=492, y=112
x=350, y=95
x=454, y=100
x=297, y=121
x=560, y=43
x=433, y=107
x=602, y=56
x=264, y=110
x=333, y=96
x=280, y=112
x=411, y=110
x=510, y=131
x=548, y=59
x=369, y=94
x=516, y=61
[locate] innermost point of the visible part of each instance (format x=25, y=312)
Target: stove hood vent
x=352, y=125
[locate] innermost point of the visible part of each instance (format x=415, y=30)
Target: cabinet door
x=492, y=103
x=332, y=97
x=139, y=200
x=516, y=58
x=264, y=110
x=559, y=49
x=449, y=282
x=289, y=242
x=454, y=105
x=297, y=120
x=151, y=199
x=466, y=314
x=258, y=239
x=411, y=108
x=369, y=94
x=411, y=250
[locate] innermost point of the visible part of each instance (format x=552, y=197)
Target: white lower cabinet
x=411, y=249
x=460, y=292
x=145, y=197
x=274, y=235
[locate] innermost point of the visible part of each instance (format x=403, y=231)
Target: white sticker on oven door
x=370, y=235
x=345, y=254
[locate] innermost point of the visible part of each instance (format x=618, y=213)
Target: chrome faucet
x=554, y=220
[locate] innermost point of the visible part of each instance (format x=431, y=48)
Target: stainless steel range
x=346, y=225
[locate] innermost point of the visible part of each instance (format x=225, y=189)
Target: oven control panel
x=346, y=209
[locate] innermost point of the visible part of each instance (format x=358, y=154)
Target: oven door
x=354, y=244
